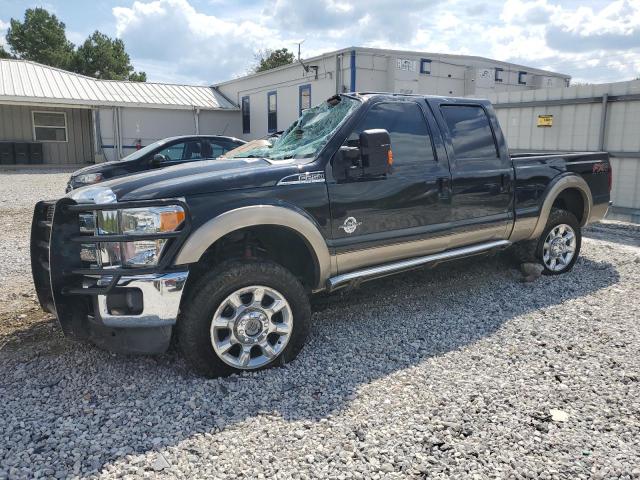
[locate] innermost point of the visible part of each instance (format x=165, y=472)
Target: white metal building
x=79, y=119
x=603, y=117
x=273, y=99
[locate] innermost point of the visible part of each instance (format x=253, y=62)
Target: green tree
x=268, y=59
x=41, y=38
x=138, y=77
x=4, y=53
x=102, y=57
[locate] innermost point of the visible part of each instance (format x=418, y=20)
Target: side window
x=470, y=131
x=182, y=151
x=214, y=149
x=410, y=140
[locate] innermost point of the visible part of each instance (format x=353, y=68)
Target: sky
x=208, y=41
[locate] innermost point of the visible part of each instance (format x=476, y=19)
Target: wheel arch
x=564, y=191
x=245, y=217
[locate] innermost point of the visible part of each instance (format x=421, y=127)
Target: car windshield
x=144, y=150
x=308, y=134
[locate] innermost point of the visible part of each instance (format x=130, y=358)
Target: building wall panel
x=376, y=71
x=16, y=124
x=577, y=127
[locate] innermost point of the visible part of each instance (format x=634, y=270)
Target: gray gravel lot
x=462, y=371
x=19, y=192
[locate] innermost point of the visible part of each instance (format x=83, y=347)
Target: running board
x=358, y=276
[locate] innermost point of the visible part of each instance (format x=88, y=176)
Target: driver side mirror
x=375, y=150
x=158, y=159
x=373, y=156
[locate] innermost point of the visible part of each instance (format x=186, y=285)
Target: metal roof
x=30, y=82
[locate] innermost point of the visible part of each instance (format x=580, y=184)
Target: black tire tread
x=530, y=251
x=558, y=216
x=204, y=296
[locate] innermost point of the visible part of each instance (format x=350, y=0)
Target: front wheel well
x=273, y=242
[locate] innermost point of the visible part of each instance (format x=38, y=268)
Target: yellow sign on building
x=545, y=120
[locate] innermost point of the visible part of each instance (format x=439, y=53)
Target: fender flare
x=564, y=182
x=253, y=215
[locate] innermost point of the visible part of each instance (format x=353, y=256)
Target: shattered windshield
x=308, y=134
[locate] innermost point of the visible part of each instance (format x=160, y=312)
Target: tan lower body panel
x=349, y=261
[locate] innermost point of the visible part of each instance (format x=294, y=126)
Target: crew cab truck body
x=224, y=255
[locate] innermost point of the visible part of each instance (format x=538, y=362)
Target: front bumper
x=161, y=295
x=92, y=302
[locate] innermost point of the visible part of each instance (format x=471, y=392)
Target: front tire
x=243, y=315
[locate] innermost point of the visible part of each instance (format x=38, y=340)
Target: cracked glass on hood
x=309, y=133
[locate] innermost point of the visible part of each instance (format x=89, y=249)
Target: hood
x=97, y=168
x=206, y=176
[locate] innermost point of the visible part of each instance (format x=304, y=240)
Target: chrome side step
x=358, y=276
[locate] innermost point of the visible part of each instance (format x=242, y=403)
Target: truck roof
x=370, y=95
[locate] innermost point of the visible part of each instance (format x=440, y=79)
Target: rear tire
x=243, y=315
x=558, y=247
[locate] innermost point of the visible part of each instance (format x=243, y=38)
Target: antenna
x=299, y=58
x=306, y=67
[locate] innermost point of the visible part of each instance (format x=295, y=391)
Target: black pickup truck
x=224, y=255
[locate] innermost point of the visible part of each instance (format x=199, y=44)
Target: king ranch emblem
x=350, y=224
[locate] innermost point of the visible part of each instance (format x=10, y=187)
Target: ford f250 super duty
x=224, y=255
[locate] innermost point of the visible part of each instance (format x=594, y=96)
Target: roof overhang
x=67, y=103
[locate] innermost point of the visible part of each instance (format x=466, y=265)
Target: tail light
x=610, y=177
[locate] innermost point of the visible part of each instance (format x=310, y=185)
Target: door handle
x=444, y=191
x=505, y=182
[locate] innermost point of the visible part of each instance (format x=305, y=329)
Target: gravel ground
x=19, y=192
x=463, y=371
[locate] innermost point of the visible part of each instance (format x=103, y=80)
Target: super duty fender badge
x=299, y=178
x=349, y=225
x=600, y=168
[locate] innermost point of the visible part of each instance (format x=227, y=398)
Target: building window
x=522, y=78
x=272, y=111
x=49, y=126
x=304, y=97
x=425, y=66
x=246, y=115
x=498, y=75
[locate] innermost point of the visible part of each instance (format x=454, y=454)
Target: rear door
x=481, y=172
x=373, y=217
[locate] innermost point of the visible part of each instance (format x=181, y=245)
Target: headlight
x=136, y=221
x=142, y=253
x=151, y=220
x=86, y=179
x=98, y=195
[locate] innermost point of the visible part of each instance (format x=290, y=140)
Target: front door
x=389, y=217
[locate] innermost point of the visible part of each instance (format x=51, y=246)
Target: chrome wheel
x=559, y=247
x=251, y=327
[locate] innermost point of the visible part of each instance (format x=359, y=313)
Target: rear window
x=470, y=131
